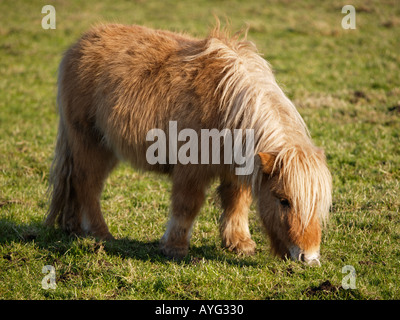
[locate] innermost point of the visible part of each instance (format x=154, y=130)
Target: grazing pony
x=117, y=83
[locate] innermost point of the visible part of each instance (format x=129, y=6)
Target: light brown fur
x=118, y=82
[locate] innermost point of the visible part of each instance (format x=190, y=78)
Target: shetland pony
x=119, y=82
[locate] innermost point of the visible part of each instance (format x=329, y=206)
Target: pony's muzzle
x=313, y=262
x=310, y=258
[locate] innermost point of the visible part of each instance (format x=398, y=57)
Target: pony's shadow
x=57, y=242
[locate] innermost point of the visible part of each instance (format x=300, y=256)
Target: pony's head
x=294, y=197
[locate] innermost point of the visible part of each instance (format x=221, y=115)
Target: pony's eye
x=285, y=203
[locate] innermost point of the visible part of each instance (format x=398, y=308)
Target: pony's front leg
x=188, y=193
x=234, y=228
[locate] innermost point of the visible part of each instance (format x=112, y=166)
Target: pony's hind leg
x=234, y=226
x=188, y=194
x=92, y=164
x=80, y=167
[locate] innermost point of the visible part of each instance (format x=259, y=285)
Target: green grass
x=346, y=85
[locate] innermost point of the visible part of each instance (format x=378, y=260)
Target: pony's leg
x=234, y=226
x=92, y=164
x=188, y=194
x=81, y=165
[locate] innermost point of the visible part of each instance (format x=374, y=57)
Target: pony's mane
x=251, y=98
x=307, y=179
x=249, y=94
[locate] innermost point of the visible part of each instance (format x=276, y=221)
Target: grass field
x=346, y=85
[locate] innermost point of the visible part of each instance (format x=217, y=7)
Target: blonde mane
x=305, y=176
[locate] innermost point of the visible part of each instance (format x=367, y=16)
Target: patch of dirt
x=370, y=263
x=29, y=236
x=7, y=257
x=367, y=263
x=364, y=8
x=67, y=276
x=358, y=95
x=15, y=259
x=395, y=108
x=324, y=287
x=391, y=23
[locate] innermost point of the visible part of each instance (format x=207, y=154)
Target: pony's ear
x=267, y=161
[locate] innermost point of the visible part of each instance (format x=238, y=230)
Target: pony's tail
x=60, y=191
x=60, y=180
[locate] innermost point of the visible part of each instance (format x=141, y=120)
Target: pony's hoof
x=176, y=253
x=246, y=247
x=106, y=236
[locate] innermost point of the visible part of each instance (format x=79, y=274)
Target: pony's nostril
x=302, y=257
